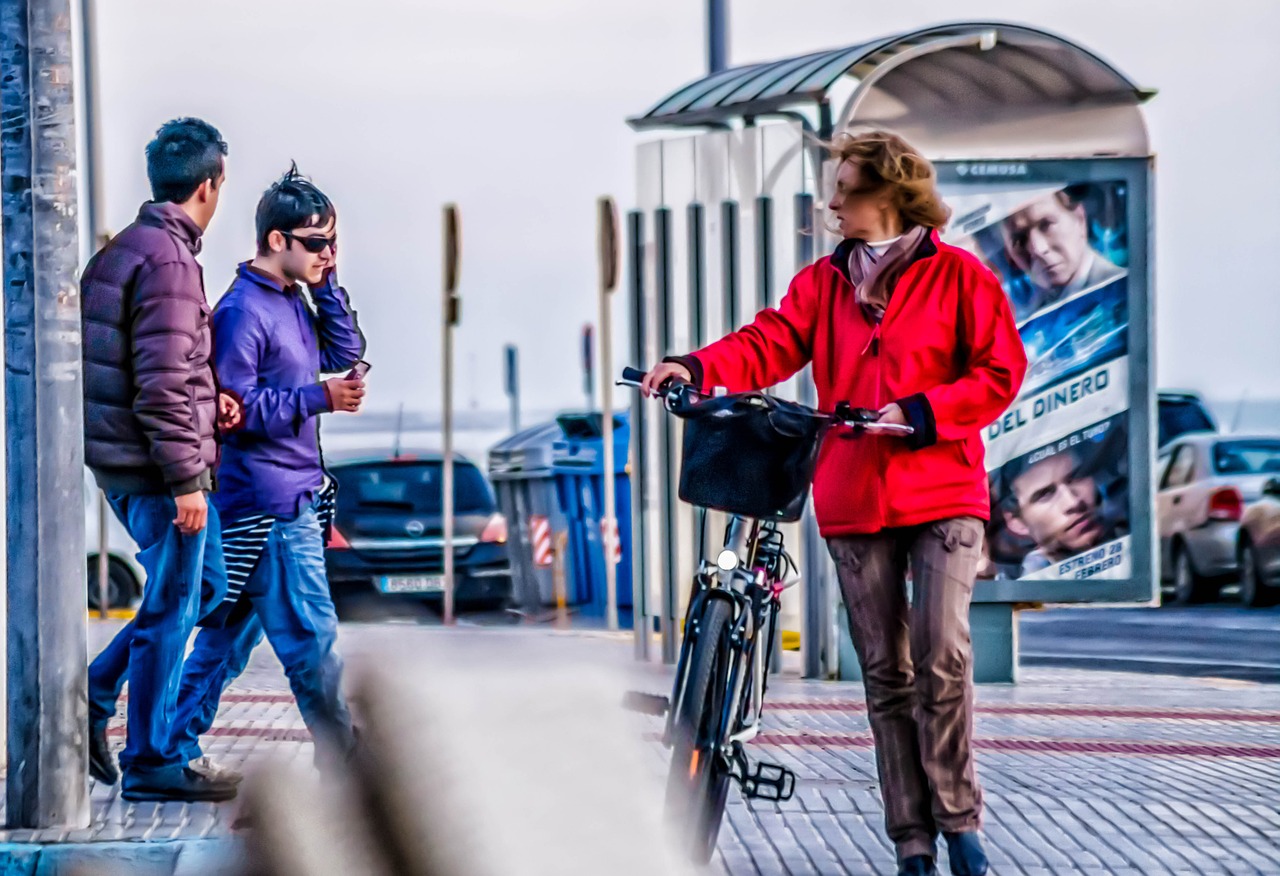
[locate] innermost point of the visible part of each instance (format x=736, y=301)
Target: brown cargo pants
x=917, y=666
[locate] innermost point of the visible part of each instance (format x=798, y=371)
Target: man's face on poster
x=1058, y=507
x=1048, y=241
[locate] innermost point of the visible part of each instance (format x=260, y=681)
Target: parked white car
x=1205, y=483
x=124, y=574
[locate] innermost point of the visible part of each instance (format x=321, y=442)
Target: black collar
x=263, y=278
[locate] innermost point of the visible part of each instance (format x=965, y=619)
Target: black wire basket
x=749, y=454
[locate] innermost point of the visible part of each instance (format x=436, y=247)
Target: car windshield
x=412, y=486
x=1247, y=457
x=1180, y=416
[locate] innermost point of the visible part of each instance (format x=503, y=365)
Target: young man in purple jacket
x=270, y=348
x=151, y=416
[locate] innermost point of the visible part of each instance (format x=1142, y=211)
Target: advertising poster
x=1059, y=458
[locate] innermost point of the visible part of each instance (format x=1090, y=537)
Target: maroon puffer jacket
x=149, y=390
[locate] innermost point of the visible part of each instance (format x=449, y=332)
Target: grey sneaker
x=213, y=771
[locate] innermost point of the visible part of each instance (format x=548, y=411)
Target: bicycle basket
x=749, y=454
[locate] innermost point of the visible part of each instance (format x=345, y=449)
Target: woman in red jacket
x=897, y=321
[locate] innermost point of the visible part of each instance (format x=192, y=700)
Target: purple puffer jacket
x=150, y=396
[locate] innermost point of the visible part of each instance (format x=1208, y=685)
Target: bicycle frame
x=749, y=574
x=753, y=587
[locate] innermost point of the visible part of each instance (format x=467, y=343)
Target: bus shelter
x=1043, y=155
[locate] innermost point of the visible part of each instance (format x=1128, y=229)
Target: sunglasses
x=315, y=244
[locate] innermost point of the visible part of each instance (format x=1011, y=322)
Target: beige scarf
x=875, y=276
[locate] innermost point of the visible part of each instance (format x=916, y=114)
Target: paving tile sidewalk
x=1084, y=772
x=1089, y=773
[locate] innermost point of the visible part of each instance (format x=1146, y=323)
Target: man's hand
x=193, y=512
x=345, y=395
x=230, y=412
x=661, y=374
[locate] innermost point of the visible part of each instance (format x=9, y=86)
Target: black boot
x=174, y=785
x=917, y=865
x=102, y=766
x=967, y=856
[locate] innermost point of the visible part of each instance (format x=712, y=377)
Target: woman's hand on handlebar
x=661, y=374
x=891, y=415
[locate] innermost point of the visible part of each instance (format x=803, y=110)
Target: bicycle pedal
x=767, y=781
x=646, y=703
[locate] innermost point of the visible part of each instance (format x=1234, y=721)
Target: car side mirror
x=1272, y=488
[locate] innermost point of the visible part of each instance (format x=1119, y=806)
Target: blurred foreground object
x=484, y=770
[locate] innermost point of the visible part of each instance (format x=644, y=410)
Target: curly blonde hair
x=885, y=159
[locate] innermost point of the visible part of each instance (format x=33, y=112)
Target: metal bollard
x=559, y=576
x=104, y=559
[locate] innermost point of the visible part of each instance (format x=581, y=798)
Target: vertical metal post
x=588, y=367
x=804, y=230
x=697, y=236
x=451, y=233
x=90, y=96
x=559, y=579
x=837, y=658
x=696, y=215
x=511, y=357
x=729, y=262
x=47, y=659
x=717, y=35
x=764, y=252
x=666, y=447
x=639, y=474
x=104, y=558
x=815, y=641
x=607, y=248
x=98, y=236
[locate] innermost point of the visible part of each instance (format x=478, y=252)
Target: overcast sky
x=515, y=109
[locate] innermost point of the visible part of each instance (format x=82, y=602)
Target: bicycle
x=721, y=676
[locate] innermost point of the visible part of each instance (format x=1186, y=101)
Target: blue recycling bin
x=577, y=464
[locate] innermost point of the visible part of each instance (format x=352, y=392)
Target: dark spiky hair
x=292, y=202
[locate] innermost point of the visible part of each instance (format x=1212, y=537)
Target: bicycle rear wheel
x=698, y=781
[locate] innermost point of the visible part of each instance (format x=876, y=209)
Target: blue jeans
x=289, y=590
x=184, y=574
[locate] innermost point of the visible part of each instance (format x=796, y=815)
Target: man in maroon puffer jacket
x=152, y=410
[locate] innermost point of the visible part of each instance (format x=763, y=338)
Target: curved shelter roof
x=959, y=90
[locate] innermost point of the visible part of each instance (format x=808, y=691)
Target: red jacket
x=947, y=350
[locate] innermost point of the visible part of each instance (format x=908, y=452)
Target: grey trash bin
x=520, y=471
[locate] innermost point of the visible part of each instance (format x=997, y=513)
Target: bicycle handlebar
x=858, y=419
x=631, y=376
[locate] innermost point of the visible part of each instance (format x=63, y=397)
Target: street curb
x=182, y=857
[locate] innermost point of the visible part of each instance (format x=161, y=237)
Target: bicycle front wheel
x=698, y=781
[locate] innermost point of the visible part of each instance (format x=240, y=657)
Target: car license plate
x=411, y=584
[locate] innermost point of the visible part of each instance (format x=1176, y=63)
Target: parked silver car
x=1205, y=483
x=1260, y=544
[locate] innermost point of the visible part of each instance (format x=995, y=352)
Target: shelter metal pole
x=47, y=667
x=717, y=35
x=639, y=473
x=667, y=451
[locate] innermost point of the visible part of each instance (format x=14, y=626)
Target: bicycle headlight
x=727, y=561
